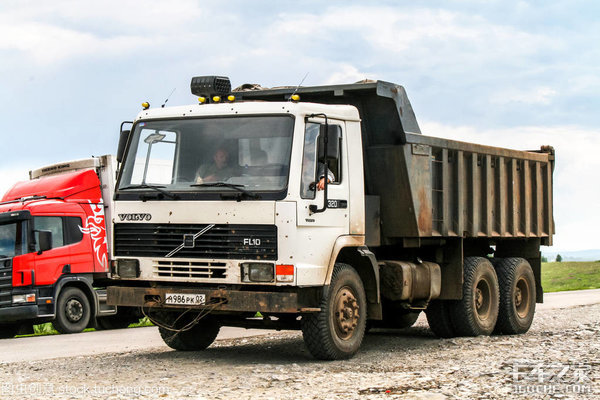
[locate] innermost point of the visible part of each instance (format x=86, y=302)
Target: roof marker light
x=201, y=100
x=295, y=97
x=231, y=98
x=216, y=99
x=146, y=105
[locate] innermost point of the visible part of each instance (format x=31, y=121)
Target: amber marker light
x=284, y=273
x=146, y=105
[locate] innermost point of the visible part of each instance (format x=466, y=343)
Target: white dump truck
x=325, y=209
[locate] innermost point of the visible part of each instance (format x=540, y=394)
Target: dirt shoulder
x=407, y=364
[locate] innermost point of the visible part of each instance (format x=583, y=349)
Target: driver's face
x=221, y=158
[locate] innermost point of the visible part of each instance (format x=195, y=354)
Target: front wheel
x=73, y=311
x=337, y=331
x=198, y=337
x=8, y=331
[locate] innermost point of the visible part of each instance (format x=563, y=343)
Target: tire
x=438, y=318
x=517, y=296
x=8, y=331
x=112, y=322
x=396, y=317
x=124, y=317
x=477, y=312
x=73, y=311
x=337, y=331
x=199, y=337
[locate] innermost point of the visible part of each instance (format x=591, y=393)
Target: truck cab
x=53, y=249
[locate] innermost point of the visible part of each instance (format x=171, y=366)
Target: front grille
x=5, y=282
x=190, y=269
x=242, y=242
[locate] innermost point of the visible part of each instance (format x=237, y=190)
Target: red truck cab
x=53, y=251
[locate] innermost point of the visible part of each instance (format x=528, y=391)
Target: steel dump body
x=437, y=187
x=420, y=186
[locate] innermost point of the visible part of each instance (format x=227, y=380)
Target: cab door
x=313, y=208
x=49, y=264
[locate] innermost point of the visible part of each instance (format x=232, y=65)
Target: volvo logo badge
x=135, y=217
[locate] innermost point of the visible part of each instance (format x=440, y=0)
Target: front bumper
x=304, y=301
x=18, y=313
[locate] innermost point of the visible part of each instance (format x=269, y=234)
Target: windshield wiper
x=239, y=188
x=158, y=188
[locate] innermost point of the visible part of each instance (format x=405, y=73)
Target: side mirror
x=333, y=133
x=123, y=138
x=44, y=240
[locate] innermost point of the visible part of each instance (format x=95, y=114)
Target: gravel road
x=558, y=358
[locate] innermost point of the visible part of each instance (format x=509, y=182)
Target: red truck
x=54, y=250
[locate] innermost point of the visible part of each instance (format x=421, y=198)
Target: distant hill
x=581, y=255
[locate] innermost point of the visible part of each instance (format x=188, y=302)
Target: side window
x=52, y=224
x=73, y=232
x=314, y=149
x=309, y=154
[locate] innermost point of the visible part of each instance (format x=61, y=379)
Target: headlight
x=128, y=268
x=23, y=298
x=257, y=272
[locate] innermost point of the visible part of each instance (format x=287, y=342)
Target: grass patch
x=561, y=276
x=143, y=322
x=48, y=329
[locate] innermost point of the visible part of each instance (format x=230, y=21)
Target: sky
x=517, y=74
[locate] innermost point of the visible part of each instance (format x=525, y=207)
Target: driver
x=217, y=171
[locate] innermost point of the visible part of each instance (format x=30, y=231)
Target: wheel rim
x=74, y=310
x=482, y=299
x=346, y=313
x=521, y=297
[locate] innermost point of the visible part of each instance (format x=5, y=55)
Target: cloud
x=11, y=175
x=50, y=34
x=538, y=95
x=347, y=74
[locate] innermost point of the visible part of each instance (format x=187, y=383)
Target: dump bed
x=419, y=186
x=440, y=187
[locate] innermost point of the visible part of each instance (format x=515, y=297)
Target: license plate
x=185, y=299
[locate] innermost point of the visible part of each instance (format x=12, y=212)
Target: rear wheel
x=517, y=295
x=477, y=312
x=198, y=337
x=8, y=331
x=337, y=331
x=73, y=311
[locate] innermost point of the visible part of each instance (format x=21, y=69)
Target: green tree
x=544, y=259
x=558, y=258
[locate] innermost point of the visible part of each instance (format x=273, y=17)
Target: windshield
x=191, y=155
x=13, y=238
